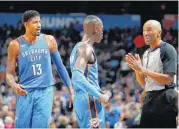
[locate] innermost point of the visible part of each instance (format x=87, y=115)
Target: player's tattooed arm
x=11, y=62
x=13, y=51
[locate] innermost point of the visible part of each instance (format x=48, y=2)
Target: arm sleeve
x=79, y=79
x=61, y=70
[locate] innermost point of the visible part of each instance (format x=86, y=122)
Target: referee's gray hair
x=92, y=19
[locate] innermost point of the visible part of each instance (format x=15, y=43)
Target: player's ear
x=25, y=24
x=95, y=29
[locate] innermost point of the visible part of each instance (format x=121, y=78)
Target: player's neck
x=30, y=38
x=155, y=44
x=88, y=39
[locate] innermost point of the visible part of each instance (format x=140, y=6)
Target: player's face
x=149, y=33
x=33, y=25
x=99, y=33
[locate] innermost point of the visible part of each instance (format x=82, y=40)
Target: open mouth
x=38, y=30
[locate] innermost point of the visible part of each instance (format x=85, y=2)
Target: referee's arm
x=165, y=79
x=169, y=60
x=140, y=78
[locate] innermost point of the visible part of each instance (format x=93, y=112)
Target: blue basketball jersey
x=34, y=63
x=91, y=71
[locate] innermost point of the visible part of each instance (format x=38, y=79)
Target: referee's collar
x=161, y=43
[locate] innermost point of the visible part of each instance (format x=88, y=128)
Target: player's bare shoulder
x=13, y=47
x=51, y=42
x=49, y=37
x=14, y=44
x=85, y=51
x=13, y=52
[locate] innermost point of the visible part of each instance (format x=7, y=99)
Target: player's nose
x=39, y=25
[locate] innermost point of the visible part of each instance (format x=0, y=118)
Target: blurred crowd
x=124, y=107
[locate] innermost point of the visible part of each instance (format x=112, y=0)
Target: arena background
x=123, y=23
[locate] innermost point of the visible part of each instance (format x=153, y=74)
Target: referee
x=156, y=73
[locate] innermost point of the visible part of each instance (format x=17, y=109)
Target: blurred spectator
x=52, y=123
x=1, y=123
x=8, y=122
x=62, y=121
x=68, y=127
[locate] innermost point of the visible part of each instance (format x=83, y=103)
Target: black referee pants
x=160, y=109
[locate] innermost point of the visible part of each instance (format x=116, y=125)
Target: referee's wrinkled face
x=151, y=32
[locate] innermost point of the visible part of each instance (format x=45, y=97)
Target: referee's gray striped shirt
x=162, y=59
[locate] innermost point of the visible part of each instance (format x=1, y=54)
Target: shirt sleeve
x=169, y=59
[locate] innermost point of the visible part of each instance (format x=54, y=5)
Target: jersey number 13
x=37, y=69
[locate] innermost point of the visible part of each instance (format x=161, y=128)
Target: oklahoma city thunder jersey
x=91, y=71
x=34, y=63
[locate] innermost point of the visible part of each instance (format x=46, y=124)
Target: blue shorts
x=86, y=108
x=34, y=109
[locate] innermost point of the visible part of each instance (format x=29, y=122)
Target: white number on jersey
x=37, y=70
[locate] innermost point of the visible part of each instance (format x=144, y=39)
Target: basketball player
x=87, y=93
x=33, y=52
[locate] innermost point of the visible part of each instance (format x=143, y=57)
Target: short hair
x=29, y=14
x=92, y=19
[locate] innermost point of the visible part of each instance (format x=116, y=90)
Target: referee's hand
x=134, y=62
